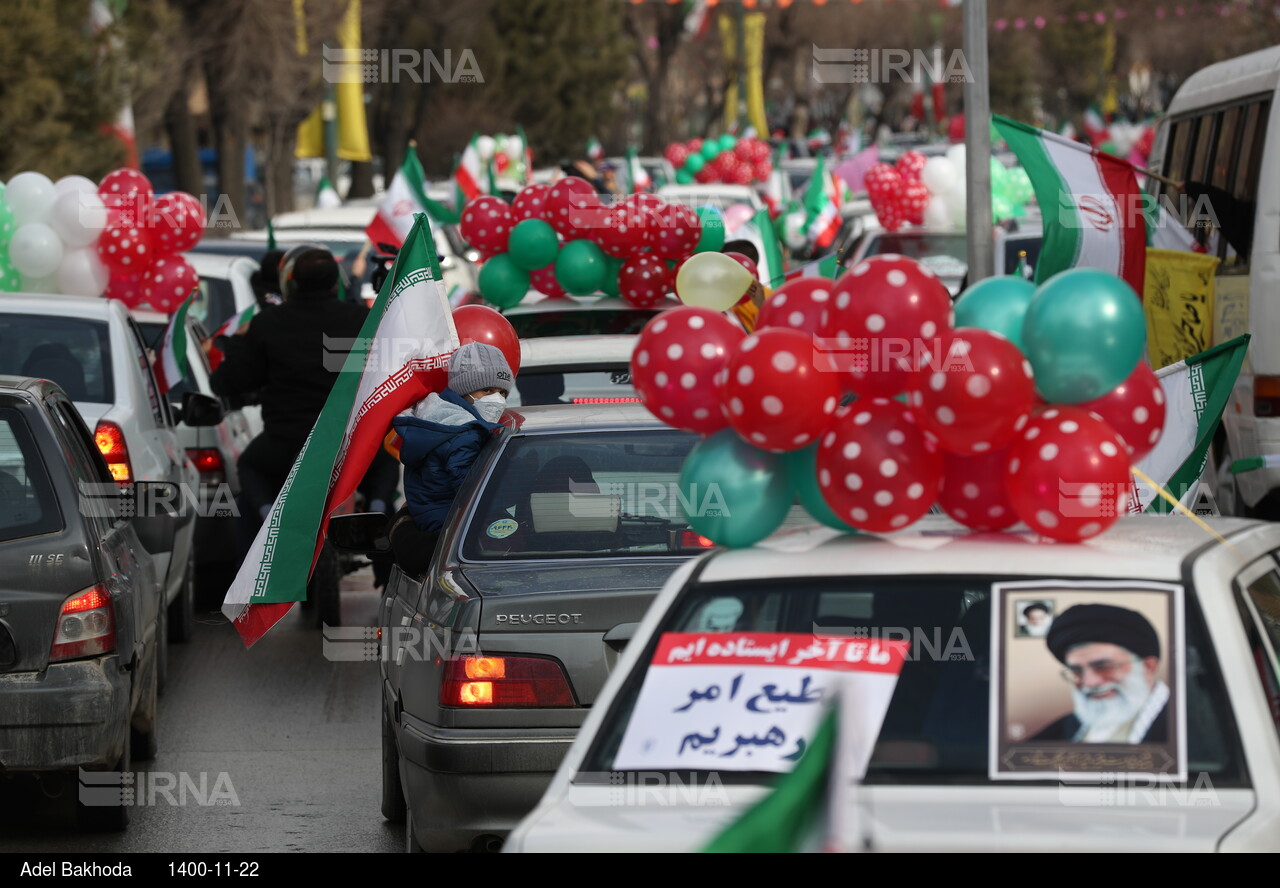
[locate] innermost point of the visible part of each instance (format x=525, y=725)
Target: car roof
x=1137, y=546
x=30, y=385
x=554, y=418
x=58, y=304
x=216, y=264
x=545, y=351
x=532, y=305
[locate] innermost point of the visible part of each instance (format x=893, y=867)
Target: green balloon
x=998, y=304
x=1083, y=334
x=10, y=277
x=6, y=226
x=712, y=239
x=694, y=164
x=580, y=267
x=710, y=149
x=802, y=477
x=683, y=176
x=502, y=282
x=732, y=493
x=533, y=244
x=612, y=265
x=1001, y=208
x=728, y=142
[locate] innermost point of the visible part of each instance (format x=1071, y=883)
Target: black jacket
x=291, y=354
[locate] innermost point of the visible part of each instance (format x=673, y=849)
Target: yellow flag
x=729, y=46
x=754, y=51
x=310, y=136
x=353, y=132
x=1178, y=302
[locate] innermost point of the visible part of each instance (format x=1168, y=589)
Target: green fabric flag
x=271, y=236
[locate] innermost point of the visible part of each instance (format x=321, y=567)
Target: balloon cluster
x=561, y=239
x=115, y=238
x=864, y=401
x=931, y=191
x=727, y=159
x=507, y=153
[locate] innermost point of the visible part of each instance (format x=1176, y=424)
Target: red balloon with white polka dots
x=1135, y=409
x=567, y=198
x=677, y=231
x=797, y=305
x=885, y=316
x=486, y=224
x=973, y=490
x=972, y=392
x=644, y=281
x=675, y=364
x=1068, y=474
x=530, y=203
x=876, y=469
x=168, y=281
x=778, y=393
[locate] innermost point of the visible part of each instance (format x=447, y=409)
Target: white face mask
x=490, y=407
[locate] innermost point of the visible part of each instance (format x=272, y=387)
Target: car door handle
x=619, y=635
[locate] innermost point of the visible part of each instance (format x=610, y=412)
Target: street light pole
x=977, y=142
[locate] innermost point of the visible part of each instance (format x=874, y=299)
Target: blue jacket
x=437, y=452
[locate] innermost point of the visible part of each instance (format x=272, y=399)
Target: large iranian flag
x=406, y=196
x=1090, y=202
x=171, y=355
x=1196, y=393
x=402, y=355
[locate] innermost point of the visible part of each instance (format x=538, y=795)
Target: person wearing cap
x=441, y=437
x=1110, y=657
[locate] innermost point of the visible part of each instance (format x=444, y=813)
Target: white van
x=1219, y=132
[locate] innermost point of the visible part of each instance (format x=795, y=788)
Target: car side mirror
x=199, y=409
x=361, y=533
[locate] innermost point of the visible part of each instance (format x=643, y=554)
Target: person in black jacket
x=291, y=354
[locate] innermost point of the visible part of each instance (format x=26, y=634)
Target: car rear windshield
x=582, y=495
x=27, y=502
x=937, y=725
x=73, y=352
x=604, y=385
x=574, y=323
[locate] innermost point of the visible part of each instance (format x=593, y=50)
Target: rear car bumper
x=465, y=783
x=71, y=715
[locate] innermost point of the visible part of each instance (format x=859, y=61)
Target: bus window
x=1179, y=143
x=1200, y=158
x=1224, y=154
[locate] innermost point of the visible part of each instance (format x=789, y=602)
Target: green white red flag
x=228, y=328
x=171, y=356
x=401, y=356
x=405, y=197
x=469, y=174
x=1089, y=200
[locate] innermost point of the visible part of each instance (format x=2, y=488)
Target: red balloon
x=647, y=200
x=125, y=249
x=644, y=281
x=125, y=287
x=130, y=193
x=486, y=223
x=625, y=231
x=915, y=197
x=677, y=154
x=530, y=203
x=694, y=145
x=168, y=281
x=779, y=394
x=177, y=223
x=746, y=262
x=677, y=231
x=1135, y=409
x=544, y=281
x=570, y=198
x=876, y=469
x=706, y=174
x=970, y=390
x=798, y=304
x=885, y=315
x=762, y=170
x=677, y=358
x=910, y=164
x=973, y=490
x=1068, y=474
x=879, y=179
x=480, y=323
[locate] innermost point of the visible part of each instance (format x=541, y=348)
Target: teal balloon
x=802, y=477
x=727, y=142
x=683, y=177
x=580, y=267
x=502, y=282
x=710, y=149
x=10, y=277
x=732, y=493
x=695, y=163
x=712, y=239
x=533, y=244
x=1083, y=334
x=612, y=265
x=7, y=225
x=998, y=304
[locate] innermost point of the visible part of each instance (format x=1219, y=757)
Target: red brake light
x=208, y=462
x=504, y=681
x=110, y=440
x=86, y=626
x=691, y=540
x=607, y=400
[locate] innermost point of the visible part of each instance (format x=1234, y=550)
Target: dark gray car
x=80, y=608
x=566, y=528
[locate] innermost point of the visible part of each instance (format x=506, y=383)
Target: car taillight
x=110, y=440
x=208, y=462
x=606, y=400
x=1266, y=396
x=691, y=540
x=85, y=626
x=490, y=682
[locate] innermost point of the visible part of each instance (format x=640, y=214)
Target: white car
x=537, y=315
x=715, y=195
x=226, y=286
x=93, y=349
x=1142, y=719
x=946, y=251
x=660, y=170
x=575, y=370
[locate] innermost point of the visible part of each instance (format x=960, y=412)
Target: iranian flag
x=406, y=197
x=401, y=355
x=228, y=328
x=171, y=355
x=1196, y=392
x=1090, y=203
x=469, y=175
x=827, y=267
x=822, y=216
x=638, y=178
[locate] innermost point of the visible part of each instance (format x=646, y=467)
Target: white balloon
x=35, y=250
x=74, y=183
x=30, y=196
x=956, y=155
x=939, y=175
x=46, y=284
x=938, y=214
x=515, y=147
x=78, y=217
x=81, y=273
x=957, y=200
x=485, y=146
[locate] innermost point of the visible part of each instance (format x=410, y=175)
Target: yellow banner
x=310, y=136
x=729, y=43
x=1178, y=301
x=353, y=132
x=754, y=57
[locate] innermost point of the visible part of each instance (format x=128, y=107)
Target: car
x=565, y=529
x=539, y=315
x=715, y=195
x=81, y=609
x=966, y=754
x=226, y=285
x=215, y=450
x=946, y=251
x=660, y=170
x=575, y=370
x=95, y=352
